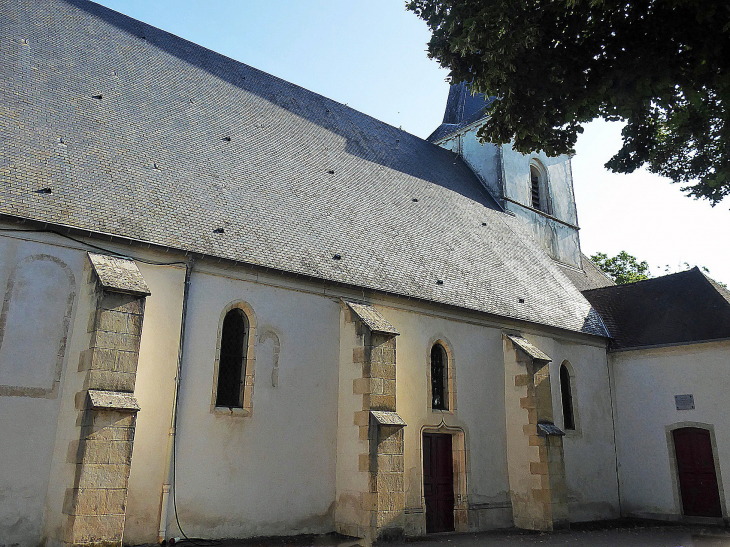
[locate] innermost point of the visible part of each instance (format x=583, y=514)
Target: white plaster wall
x=477, y=355
x=560, y=181
x=646, y=382
x=589, y=454
x=482, y=158
x=28, y=423
x=589, y=451
x=272, y=472
x=154, y=391
x=560, y=241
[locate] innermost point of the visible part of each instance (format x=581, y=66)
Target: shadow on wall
x=366, y=137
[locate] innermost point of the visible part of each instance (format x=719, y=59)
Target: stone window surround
x=250, y=362
x=459, y=456
x=669, y=429
x=450, y=383
x=576, y=432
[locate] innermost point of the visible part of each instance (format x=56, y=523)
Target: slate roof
x=138, y=133
x=679, y=308
x=590, y=277
x=462, y=108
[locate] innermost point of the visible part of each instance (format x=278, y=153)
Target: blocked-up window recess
x=45, y=190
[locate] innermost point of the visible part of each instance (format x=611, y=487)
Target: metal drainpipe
x=162, y=529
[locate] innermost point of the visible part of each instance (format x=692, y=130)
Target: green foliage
x=622, y=268
x=662, y=66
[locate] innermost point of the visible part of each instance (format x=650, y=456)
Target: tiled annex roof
x=679, y=308
x=141, y=134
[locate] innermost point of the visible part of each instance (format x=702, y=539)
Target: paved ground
x=620, y=534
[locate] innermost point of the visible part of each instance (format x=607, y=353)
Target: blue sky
x=371, y=56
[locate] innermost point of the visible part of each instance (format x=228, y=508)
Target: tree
x=622, y=268
x=661, y=66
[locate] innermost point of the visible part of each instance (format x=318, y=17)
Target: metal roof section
x=187, y=149
x=119, y=274
x=463, y=108
x=372, y=318
x=547, y=430
x=528, y=348
x=387, y=418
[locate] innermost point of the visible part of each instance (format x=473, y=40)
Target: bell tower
x=535, y=187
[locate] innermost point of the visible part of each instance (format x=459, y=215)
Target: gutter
x=170, y=458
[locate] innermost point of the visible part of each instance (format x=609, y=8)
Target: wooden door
x=438, y=482
x=696, y=469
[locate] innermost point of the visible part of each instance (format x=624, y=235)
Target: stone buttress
x=534, y=444
x=370, y=492
x=95, y=504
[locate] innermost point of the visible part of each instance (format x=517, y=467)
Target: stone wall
x=534, y=452
x=95, y=503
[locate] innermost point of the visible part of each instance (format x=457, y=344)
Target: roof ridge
x=634, y=283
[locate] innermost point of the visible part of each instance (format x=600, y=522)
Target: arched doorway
x=696, y=469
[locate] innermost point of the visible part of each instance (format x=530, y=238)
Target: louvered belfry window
x=438, y=377
x=535, y=178
x=232, y=363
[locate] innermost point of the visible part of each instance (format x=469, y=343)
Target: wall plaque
x=684, y=402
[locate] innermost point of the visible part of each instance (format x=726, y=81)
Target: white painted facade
x=646, y=382
x=277, y=470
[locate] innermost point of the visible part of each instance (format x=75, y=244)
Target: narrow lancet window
x=232, y=363
x=438, y=377
x=567, y=397
x=535, y=179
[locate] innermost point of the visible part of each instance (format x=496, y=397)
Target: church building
x=235, y=308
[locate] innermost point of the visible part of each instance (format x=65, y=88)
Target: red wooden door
x=438, y=482
x=696, y=469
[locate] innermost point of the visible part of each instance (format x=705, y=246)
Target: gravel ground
x=616, y=534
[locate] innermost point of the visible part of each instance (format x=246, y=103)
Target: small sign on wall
x=684, y=402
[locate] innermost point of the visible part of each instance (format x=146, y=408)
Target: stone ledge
x=113, y=400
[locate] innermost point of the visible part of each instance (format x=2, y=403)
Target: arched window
x=567, y=398
x=539, y=194
x=232, y=364
x=439, y=368
x=535, y=180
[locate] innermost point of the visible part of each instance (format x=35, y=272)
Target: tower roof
x=462, y=108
